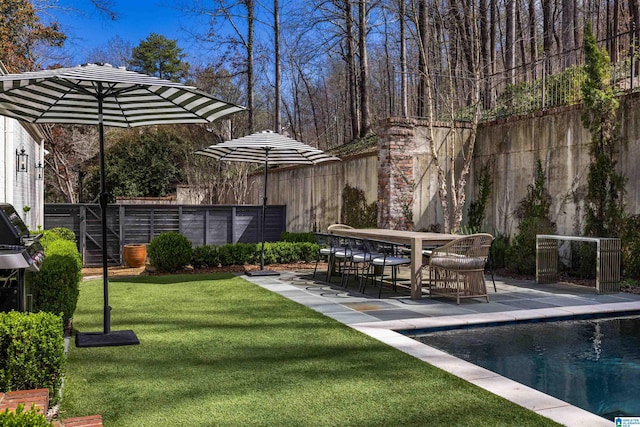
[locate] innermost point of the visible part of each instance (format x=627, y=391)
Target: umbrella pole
x=262, y=271
x=107, y=338
x=103, y=221
x=264, y=206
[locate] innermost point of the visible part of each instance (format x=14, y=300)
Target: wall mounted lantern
x=22, y=161
x=39, y=170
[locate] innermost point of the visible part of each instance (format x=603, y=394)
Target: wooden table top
x=403, y=237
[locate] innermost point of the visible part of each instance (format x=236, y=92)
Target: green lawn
x=217, y=350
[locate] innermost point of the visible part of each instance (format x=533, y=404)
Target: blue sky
x=87, y=29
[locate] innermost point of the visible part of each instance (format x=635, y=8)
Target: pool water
x=592, y=364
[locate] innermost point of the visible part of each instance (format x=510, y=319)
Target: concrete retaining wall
x=400, y=176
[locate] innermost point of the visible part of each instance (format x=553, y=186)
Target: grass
x=217, y=350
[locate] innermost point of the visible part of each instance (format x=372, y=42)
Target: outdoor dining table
x=417, y=240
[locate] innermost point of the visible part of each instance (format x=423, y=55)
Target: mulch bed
x=121, y=271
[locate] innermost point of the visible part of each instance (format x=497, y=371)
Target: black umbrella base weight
x=110, y=339
x=258, y=273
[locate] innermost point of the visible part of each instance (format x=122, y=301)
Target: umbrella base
x=258, y=273
x=110, y=339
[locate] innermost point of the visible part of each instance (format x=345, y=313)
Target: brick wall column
x=396, y=150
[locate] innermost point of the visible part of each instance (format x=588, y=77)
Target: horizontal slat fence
x=126, y=224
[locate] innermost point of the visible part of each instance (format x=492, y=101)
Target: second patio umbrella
x=97, y=94
x=270, y=148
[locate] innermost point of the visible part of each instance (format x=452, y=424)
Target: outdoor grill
x=20, y=252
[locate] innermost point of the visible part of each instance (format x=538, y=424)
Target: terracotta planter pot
x=135, y=255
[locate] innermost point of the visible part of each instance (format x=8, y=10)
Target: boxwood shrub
x=288, y=236
x=169, y=252
x=57, y=285
x=31, y=352
x=21, y=418
x=249, y=253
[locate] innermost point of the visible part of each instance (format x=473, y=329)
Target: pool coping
x=389, y=332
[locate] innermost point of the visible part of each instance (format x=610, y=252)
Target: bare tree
x=365, y=116
x=276, y=42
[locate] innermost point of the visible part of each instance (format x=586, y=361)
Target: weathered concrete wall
x=559, y=140
x=313, y=194
x=402, y=178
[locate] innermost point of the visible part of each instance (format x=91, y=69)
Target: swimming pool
x=593, y=364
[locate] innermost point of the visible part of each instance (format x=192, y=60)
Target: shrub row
x=288, y=236
x=31, y=352
x=169, y=252
x=249, y=253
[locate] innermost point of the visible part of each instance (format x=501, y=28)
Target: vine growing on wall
x=355, y=210
x=477, y=208
x=604, y=204
x=535, y=218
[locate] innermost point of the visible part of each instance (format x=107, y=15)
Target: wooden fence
x=126, y=224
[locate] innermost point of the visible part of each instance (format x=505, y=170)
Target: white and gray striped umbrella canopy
x=72, y=95
x=269, y=146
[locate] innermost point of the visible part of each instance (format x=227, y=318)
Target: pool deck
x=515, y=300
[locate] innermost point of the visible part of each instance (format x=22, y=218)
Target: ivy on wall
x=355, y=210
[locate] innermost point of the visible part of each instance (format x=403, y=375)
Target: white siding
x=21, y=189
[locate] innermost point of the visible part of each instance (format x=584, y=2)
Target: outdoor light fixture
x=22, y=160
x=39, y=170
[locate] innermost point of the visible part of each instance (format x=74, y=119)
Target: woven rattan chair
x=456, y=270
x=339, y=227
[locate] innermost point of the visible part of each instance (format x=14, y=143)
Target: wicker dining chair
x=456, y=270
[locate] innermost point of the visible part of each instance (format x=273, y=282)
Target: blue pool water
x=593, y=364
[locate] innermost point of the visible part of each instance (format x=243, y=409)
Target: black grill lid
x=12, y=228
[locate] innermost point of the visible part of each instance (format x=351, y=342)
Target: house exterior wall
x=22, y=189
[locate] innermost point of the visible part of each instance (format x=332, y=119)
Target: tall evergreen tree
x=161, y=57
x=604, y=204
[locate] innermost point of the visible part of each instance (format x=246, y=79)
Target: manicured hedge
x=31, y=352
x=249, y=253
x=288, y=236
x=57, y=284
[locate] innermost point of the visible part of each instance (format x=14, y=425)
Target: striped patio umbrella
x=96, y=94
x=270, y=148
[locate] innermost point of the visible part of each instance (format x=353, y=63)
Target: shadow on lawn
x=170, y=279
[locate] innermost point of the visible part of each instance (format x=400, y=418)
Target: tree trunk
x=250, y=95
x=568, y=42
x=423, y=40
x=403, y=60
x=547, y=33
x=533, y=40
x=365, y=118
x=484, y=52
x=276, y=42
x=351, y=66
x=510, y=41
